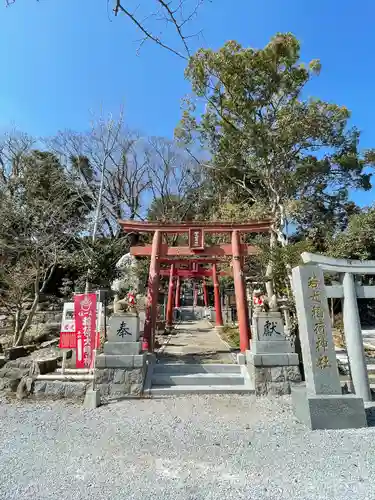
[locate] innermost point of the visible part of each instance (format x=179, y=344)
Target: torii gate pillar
x=178, y=292
x=195, y=294
x=152, y=294
x=219, y=316
x=239, y=288
x=169, y=315
x=205, y=294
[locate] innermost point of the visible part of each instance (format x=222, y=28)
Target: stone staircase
x=342, y=358
x=185, y=378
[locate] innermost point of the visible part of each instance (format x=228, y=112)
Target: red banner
x=85, y=323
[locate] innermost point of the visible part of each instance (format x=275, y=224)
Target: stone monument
x=120, y=369
x=272, y=363
x=319, y=403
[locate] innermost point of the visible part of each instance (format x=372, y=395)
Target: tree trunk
x=27, y=323
x=269, y=270
x=17, y=319
x=284, y=240
x=29, y=317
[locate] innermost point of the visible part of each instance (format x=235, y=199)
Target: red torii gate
x=196, y=248
x=193, y=272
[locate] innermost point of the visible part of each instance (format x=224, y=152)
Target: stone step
x=198, y=379
x=187, y=368
x=180, y=390
x=344, y=361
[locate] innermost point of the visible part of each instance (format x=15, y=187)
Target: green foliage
x=42, y=214
x=102, y=255
x=358, y=240
x=266, y=139
x=282, y=259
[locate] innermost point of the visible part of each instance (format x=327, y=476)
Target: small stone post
x=319, y=402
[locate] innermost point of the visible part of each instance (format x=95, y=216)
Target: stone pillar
x=169, y=314
x=218, y=314
x=354, y=339
x=120, y=369
x=205, y=294
x=239, y=288
x=195, y=294
x=319, y=402
x=178, y=291
x=287, y=321
x=152, y=294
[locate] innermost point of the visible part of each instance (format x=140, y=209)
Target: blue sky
x=62, y=59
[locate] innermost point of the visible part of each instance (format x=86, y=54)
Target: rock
x=24, y=388
x=22, y=351
x=9, y=385
x=293, y=373
x=42, y=306
x=277, y=374
x=279, y=388
x=42, y=366
x=13, y=373
x=119, y=377
x=75, y=389
x=50, y=343
x=41, y=332
x=136, y=389
x=55, y=388
x=39, y=388
x=13, y=384
x=15, y=352
x=19, y=363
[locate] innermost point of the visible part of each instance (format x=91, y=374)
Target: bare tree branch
x=177, y=13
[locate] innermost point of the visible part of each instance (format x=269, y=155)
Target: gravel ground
x=197, y=447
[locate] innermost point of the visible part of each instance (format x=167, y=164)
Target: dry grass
x=231, y=335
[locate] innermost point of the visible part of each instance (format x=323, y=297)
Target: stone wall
x=44, y=323
x=120, y=382
x=274, y=380
x=59, y=389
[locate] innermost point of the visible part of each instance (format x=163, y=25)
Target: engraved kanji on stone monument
x=270, y=329
x=315, y=331
x=123, y=330
x=317, y=314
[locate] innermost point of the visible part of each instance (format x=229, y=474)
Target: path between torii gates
x=195, y=342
